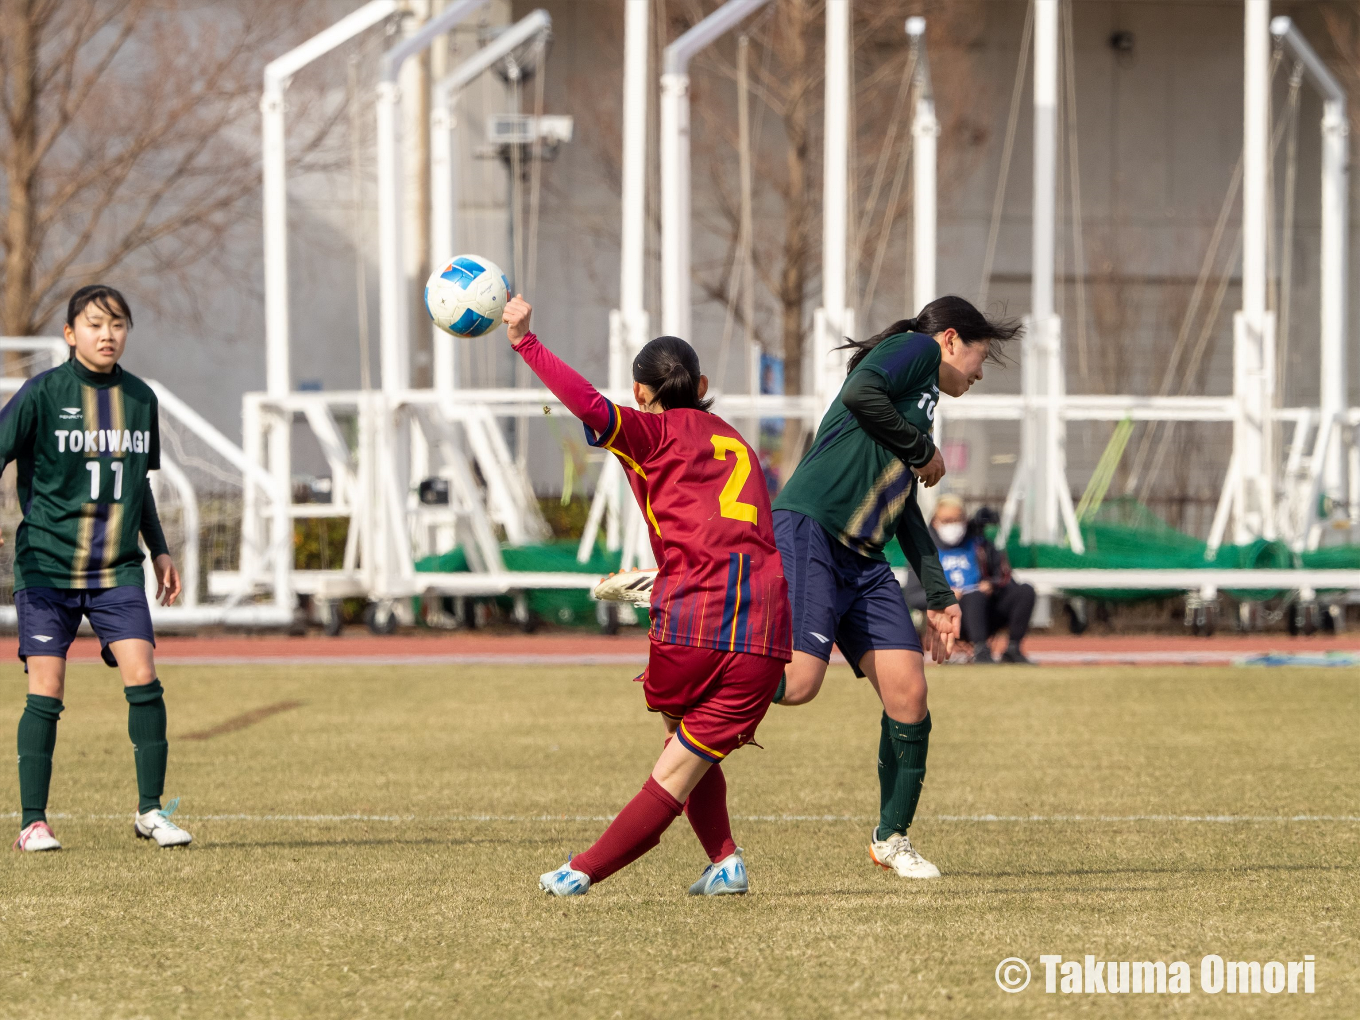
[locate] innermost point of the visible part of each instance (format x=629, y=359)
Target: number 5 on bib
x=728, y=503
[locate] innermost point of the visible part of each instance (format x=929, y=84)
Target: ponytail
x=669, y=368
x=944, y=313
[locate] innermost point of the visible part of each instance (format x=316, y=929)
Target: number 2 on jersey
x=728, y=503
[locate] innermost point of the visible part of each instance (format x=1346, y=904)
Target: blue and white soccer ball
x=467, y=295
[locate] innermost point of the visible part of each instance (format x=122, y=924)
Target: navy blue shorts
x=838, y=595
x=49, y=617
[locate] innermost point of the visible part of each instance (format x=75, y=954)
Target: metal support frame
x=925, y=129
x=1254, y=325
x=834, y=320
x=1041, y=475
x=444, y=195
x=1328, y=467
x=676, y=310
x=278, y=371
x=375, y=563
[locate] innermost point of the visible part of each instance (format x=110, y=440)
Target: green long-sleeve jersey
x=860, y=490
x=84, y=442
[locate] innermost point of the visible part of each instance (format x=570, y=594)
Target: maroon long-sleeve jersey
x=720, y=584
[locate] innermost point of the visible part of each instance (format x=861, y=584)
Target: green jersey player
x=84, y=436
x=854, y=489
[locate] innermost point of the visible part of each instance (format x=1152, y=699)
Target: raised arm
x=569, y=386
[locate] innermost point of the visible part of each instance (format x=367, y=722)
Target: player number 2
x=728, y=503
x=117, y=468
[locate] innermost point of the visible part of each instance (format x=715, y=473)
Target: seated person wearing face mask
x=980, y=576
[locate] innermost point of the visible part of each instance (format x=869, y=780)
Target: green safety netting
x=570, y=607
x=1124, y=533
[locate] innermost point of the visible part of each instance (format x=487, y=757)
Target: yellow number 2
x=727, y=499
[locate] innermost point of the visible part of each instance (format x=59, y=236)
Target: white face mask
x=952, y=533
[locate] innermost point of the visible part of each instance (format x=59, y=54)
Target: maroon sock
x=706, y=810
x=636, y=830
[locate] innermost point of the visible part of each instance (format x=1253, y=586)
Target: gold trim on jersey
x=853, y=535
x=113, y=540
x=84, y=540
x=84, y=573
x=89, y=399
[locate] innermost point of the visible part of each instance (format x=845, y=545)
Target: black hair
x=670, y=368
x=944, y=313
x=101, y=296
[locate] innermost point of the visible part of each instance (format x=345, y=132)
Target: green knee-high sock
x=908, y=743
x=146, y=727
x=887, y=767
x=37, y=740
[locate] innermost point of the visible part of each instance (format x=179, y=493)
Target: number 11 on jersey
x=728, y=503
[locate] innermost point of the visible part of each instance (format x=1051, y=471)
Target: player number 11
x=116, y=467
x=728, y=503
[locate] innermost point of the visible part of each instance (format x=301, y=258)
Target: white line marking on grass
x=855, y=819
x=624, y=659
x=1054, y=658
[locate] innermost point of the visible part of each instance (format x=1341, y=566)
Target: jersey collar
x=99, y=380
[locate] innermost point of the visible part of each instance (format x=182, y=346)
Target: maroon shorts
x=718, y=697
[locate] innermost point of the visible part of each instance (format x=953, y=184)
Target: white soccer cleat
x=565, y=881
x=36, y=837
x=633, y=586
x=157, y=825
x=726, y=878
x=897, y=854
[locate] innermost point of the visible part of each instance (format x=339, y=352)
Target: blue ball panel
x=463, y=271
x=471, y=323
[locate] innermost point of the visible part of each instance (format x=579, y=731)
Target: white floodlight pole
x=925, y=129
x=675, y=169
x=1041, y=376
x=1336, y=157
x=387, y=499
x=629, y=332
x=443, y=153
x=834, y=319
x=394, y=341
x=277, y=74
x=1253, y=326
x=278, y=372
x=629, y=324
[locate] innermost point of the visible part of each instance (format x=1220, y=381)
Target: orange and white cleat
x=633, y=586
x=36, y=838
x=896, y=854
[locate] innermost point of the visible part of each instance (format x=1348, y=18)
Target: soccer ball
x=466, y=296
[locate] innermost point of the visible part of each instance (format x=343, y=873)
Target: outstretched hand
x=942, y=630
x=516, y=318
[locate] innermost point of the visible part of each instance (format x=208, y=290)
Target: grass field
x=414, y=807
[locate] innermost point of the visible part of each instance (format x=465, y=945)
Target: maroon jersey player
x=720, y=630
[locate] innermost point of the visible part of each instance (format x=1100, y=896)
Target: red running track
x=585, y=648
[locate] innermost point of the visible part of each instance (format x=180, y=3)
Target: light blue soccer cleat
x=565, y=881
x=726, y=878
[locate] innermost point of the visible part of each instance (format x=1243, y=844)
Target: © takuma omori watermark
x=1090, y=976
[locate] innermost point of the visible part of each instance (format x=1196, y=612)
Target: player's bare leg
x=802, y=679
x=146, y=726
x=899, y=677
x=37, y=740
